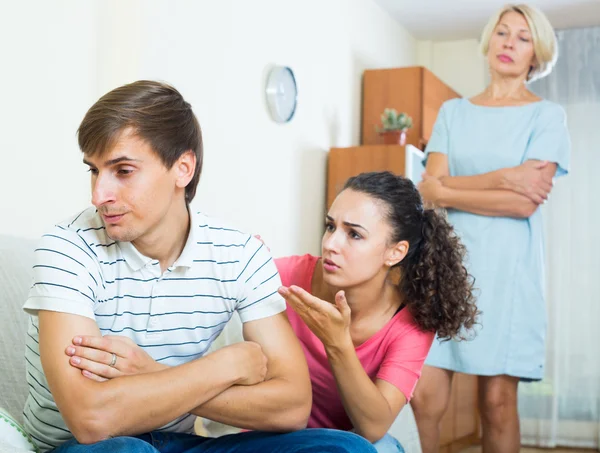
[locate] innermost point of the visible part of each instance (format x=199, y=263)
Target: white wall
x=457, y=63
x=265, y=177
x=48, y=80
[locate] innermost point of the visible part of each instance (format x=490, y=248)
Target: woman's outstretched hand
x=329, y=322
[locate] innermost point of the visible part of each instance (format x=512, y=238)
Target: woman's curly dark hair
x=434, y=282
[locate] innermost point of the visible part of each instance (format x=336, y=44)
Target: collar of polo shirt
x=188, y=253
x=137, y=260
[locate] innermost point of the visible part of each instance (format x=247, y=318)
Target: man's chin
x=120, y=235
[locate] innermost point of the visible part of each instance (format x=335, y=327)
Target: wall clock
x=282, y=94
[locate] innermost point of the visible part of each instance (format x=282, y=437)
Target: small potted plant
x=394, y=127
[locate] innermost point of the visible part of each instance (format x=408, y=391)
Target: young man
x=141, y=266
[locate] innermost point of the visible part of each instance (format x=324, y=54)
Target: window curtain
x=564, y=408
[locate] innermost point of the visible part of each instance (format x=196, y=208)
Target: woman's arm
x=493, y=203
x=490, y=202
x=372, y=407
x=532, y=179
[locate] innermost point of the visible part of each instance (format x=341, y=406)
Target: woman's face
x=356, y=245
x=510, y=52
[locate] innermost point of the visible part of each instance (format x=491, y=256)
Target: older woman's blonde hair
x=542, y=34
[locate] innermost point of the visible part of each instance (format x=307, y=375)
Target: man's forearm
x=283, y=401
x=493, y=203
x=131, y=405
x=94, y=410
x=273, y=405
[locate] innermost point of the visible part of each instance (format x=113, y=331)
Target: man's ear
x=184, y=168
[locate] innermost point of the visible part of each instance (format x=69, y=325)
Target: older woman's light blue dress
x=505, y=255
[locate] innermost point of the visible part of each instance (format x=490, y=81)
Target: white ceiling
x=461, y=19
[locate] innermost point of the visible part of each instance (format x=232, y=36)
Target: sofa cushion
x=12, y=434
x=16, y=258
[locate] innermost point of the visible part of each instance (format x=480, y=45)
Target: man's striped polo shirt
x=174, y=316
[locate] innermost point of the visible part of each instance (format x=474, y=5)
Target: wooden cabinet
x=460, y=425
x=346, y=162
x=414, y=90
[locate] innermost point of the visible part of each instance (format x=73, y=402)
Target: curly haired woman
x=367, y=311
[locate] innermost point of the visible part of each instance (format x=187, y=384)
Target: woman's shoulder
x=404, y=324
x=296, y=261
x=403, y=333
x=453, y=104
x=551, y=108
x=453, y=108
x=296, y=269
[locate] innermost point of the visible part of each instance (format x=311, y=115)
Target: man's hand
x=252, y=363
x=530, y=180
x=93, y=356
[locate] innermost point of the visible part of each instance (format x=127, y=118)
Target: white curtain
x=564, y=409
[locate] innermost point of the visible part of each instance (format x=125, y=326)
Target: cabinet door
x=460, y=424
x=398, y=88
x=346, y=162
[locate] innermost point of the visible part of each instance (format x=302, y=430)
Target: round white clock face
x=281, y=94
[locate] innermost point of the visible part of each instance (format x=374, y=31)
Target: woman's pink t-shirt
x=395, y=354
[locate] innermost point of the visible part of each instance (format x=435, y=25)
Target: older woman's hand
x=431, y=189
x=529, y=179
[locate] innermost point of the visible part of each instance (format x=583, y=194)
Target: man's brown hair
x=156, y=112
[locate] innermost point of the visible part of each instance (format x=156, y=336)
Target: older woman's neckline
x=486, y=106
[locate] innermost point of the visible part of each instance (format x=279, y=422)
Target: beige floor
x=534, y=450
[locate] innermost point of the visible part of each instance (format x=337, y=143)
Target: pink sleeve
x=296, y=270
x=285, y=267
x=404, y=360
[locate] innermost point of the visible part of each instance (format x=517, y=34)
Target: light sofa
x=16, y=257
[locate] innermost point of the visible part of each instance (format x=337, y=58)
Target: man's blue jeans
x=305, y=441
x=388, y=444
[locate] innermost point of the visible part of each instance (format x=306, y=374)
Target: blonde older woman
x=491, y=161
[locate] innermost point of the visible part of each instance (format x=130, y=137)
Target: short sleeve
x=438, y=142
x=297, y=270
x=404, y=360
x=550, y=139
x=258, y=282
x=285, y=267
x=66, y=275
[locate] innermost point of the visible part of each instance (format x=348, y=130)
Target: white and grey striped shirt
x=174, y=316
